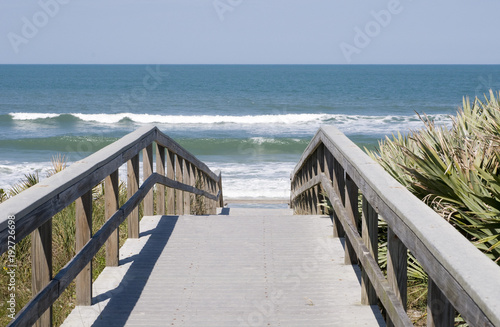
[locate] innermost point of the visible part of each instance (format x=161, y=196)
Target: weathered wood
x=41, y=265
x=369, y=233
x=436, y=245
x=397, y=264
x=440, y=312
x=351, y=205
x=171, y=175
x=221, y=198
x=186, y=179
x=325, y=296
x=42, y=301
x=179, y=201
x=83, y=213
x=76, y=183
x=39, y=203
x=132, y=187
x=160, y=190
x=176, y=148
x=338, y=182
x=111, y=198
x=147, y=168
x=385, y=293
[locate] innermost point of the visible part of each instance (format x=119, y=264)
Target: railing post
x=369, y=232
x=320, y=159
x=192, y=182
x=179, y=203
x=186, y=179
x=214, y=192
x=83, y=212
x=160, y=189
x=205, y=187
x=132, y=188
x=147, y=167
x=111, y=198
x=440, y=312
x=171, y=175
x=351, y=206
x=303, y=196
x=397, y=256
x=221, y=198
x=310, y=192
x=314, y=189
x=41, y=265
x=339, y=186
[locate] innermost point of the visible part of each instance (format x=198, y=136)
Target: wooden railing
x=461, y=278
x=183, y=175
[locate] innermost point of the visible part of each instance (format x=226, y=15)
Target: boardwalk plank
x=258, y=269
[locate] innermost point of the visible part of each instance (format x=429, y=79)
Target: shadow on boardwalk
x=134, y=281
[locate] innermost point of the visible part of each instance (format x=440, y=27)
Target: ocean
x=252, y=122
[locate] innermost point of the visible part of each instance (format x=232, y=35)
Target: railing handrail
x=36, y=205
x=34, y=208
x=468, y=279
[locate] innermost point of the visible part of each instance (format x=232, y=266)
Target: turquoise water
x=250, y=121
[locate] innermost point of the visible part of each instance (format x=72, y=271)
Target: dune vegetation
x=455, y=170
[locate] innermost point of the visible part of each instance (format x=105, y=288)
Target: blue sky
x=250, y=31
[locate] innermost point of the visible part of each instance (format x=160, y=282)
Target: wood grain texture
x=196, y=271
x=36, y=206
x=39, y=203
x=440, y=312
x=111, y=198
x=171, y=176
x=179, y=200
x=397, y=268
x=433, y=241
x=351, y=205
x=147, y=170
x=41, y=265
x=132, y=187
x=186, y=179
x=83, y=213
x=44, y=299
x=369, y=233
x=160, y=190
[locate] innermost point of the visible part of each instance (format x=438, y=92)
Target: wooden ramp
x=243, y=267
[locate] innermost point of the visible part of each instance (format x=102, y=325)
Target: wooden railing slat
x=111, y=199
x=83, y=213
x=351, y=198
x=437, y=246
x=170, y=175
x=186, y=179
x=160, y=169
x=147, y=168
x=440, y=312
x=369, y=233
x=41, y=265
x=132, y=187
x=34, y=208
x=179, y=201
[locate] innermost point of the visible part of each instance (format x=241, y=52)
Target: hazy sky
x=250, y=31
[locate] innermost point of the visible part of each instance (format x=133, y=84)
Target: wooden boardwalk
x=244, y=267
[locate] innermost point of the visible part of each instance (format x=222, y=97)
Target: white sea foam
x=254, y=180
x=32, y=115
x=258, y=124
